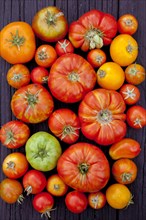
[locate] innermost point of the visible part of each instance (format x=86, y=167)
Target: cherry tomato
x=96, y=57
x=97, y=200
x=130, y=94
x=39, y=75
x=135, y=74
x=76, y=202
x=64, y=46
x=127, y=24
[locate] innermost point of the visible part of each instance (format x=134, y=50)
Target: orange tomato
x=135, y=74
x=110, y=76
x=130, y=94
x=124, y=49
x=17, y=42
x=97, y=200
x=96, y=57
x=127, y=24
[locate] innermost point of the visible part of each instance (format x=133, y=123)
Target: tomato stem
x=16, y=40
x=83, y=168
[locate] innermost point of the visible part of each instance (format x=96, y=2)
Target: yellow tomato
x=124, y=49
x=110, y=76
x=118, y=196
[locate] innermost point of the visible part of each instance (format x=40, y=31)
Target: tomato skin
x=97, y=200
x=96, y=57
x=39, y=75
x=84, y=167
x=14, y=52
x=50, y=24
x=135, y=74
x=64, y=46
x=15, y=165
x=127, y=24
x=125, y=148
x=32, y=103
x=130, y=94
x=101, y=114
x=10, y=190
x=14, y=134
x=65, y=124
x=136, y=116
x=76, y=202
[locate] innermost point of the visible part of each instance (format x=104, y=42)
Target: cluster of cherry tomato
x=102, y=98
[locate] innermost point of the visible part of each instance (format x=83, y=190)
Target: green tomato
x=43, y=151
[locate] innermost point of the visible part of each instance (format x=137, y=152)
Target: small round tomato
x=135, y=74
x=64, y=46
x=14, y=134
x=96, y=57
x=45, y=55
x=136, y=116
x=130, y=94
x=65, y=124
x=97, y=200
x=43, y=203
x=110, y=76
x=15, y=165
x=11, y=191
x=39, y=75
x=56, y=186
x=118, y=196
x=127, y=24
x=76, y=202
x=18, y=75
x=34, y=182
x=124, y=171
x=124, y=49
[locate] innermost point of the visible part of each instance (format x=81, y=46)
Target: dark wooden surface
x=24, y=10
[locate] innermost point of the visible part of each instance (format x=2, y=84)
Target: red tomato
x=96, y=57
x=127, y=24
x=136, y=116
x=39, y=75
x=101, y=114
x=64, y=46
x=65, y=125
x=76, y=202
x=92, y=30
x=97, y=200
x=15, y=165
x=34, y=182
x=70, y=78
x=14, y=134
x=32, y=103
x=130, y=94
x=84, y=167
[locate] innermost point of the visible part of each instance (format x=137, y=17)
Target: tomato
x=39, y=75
x=92, y=30
x=56, y=186
x=76, y=202
x=124, y=171
x=11, y=191
x=84, y=167
x=124, y=49
x=127, y=24
x=14, y=134
x=110, y=76
x=15, y=165
x=18, y=75
x=42, y=151
x=64, y=46
x=32, y=103
x=45, y=55
x=96, y=57
x=34, y=182
x=65, y=125
x=136, y=116
x=17, y=42
x=70, y=78
x=130, y=94
x=97, y=200
x=125, y=148
x=135, y=74
x=50, y=24
x=118, y=196
x=101, y=114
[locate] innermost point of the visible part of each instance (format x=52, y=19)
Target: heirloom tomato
x=92, y=30
x=127, y=24
x=50, y=24
x=97, y=200
x=124, y=49
x=65, y=125
x=15, y=165
x=32, y=103
x=64, y=46
x=84, y=167
x=130, y=94
x=39, y=75
x=135, y=74
x=17, y=42
x=101, y=114
x=42, y=151
x=70, y=78
x=96, y=57
x=14, y=134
